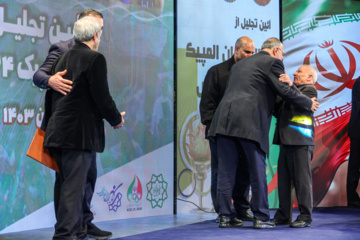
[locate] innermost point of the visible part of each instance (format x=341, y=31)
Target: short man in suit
x=212, y=93
x=241, y=126
x=75, y=130
x=353, y=175
x=43, y=79
x=295, y=134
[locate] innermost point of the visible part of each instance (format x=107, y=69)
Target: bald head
x=244, y=47
x=306, y=74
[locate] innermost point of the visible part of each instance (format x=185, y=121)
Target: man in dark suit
x=295, y=134
x=75, y=130
x=241, y=125
x=353, y=175
x=212, y=93
x=43, y=79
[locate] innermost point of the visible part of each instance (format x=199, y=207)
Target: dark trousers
x=353, y=175
x=88, y=216
x=294, y=166
x=70, y=188
x=229, y=151
x=242, y=183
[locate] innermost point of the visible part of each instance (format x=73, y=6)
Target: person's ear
x=274, y=51
x=311, y=78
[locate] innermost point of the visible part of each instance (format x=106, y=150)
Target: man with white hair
x=75, y=130
x=295, y=135
x=43, y=79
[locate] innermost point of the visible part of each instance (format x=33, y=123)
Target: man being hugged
x=75, y=130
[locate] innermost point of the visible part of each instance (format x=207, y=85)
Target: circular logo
x=262, y=2
x=193, y=145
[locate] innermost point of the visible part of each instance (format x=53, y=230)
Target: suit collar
x=264, y=53
x=80, y=45
x=232, y=60
x=303, y=85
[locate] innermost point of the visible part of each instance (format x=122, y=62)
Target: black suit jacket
x=76, y=120
x=213, y=90
x=295, y=126
x=248, y=103
x=42, y=75
x=354, y=123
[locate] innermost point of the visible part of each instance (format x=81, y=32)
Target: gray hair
x=85, y=28
x=271, y=43
x=312, y=71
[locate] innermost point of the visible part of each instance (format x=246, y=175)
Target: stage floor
x=121, y=228
x=328, y=223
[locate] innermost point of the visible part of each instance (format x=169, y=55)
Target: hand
x=60, y=84
x=285, y=78
x=122, y=121
x=315, y=104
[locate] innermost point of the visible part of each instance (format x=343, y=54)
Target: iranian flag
x=324, y=34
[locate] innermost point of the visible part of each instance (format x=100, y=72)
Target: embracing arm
x=289, y=94
x=43, y=78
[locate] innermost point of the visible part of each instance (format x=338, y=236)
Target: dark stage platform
x=328, y=223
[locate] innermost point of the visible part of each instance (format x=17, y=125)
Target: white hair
x=313, y=72
x=85, y=28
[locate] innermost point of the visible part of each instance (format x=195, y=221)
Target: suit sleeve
x=42, y=75
x=209, y=97
x=100, y=93
x=310, y=91
x=279, y=103
x=356, y=90
x=289, y=94
x=355, y=110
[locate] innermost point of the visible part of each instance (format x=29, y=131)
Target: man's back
x=42, y=75
x=246, y=108
x=213, y=90
x=76, y=119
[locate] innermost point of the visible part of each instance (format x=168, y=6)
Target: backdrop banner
x=323, y=35
x=206, y=35
x=135, y=171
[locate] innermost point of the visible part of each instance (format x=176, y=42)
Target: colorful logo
x=195, y=153
x=157, y=191
x=345, y=75
x=134, y=193
x=113, y=199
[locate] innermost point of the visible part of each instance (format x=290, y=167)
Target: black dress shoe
x=355, y=204
x=226, y=222
x=280, y=221
x=245, y=215
x=300, y=224
x=94, y=232
x=258, y=224
x=217, y=219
